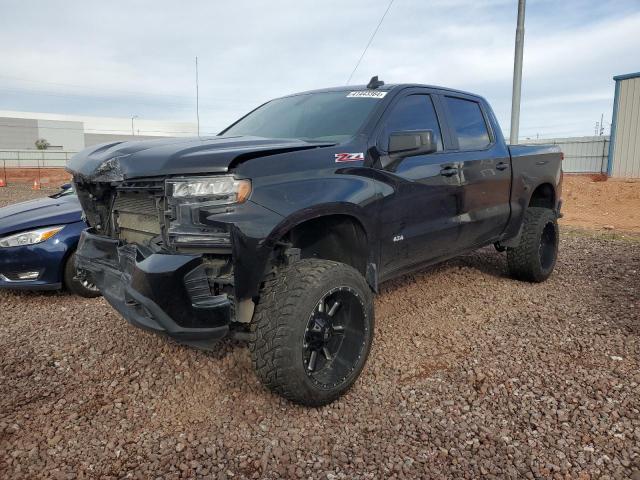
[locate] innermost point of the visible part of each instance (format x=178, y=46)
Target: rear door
x=419, y=218
x=485, y=170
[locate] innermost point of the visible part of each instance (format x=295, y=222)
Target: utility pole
x=601, y=124
x=517, y=76
x=132, y=118
x=197, y=98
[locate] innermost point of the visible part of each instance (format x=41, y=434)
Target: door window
x=414, y=112
x=468, y=124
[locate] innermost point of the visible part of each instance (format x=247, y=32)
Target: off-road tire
x=72, y=284
x=288, y=300
x=540, y=234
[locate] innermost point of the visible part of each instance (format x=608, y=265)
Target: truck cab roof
x=392, y=87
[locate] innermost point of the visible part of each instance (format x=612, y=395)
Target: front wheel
x=535, y=256
x=312, y=331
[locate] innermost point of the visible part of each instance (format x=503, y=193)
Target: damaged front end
x=167, y=294
x=161, y=251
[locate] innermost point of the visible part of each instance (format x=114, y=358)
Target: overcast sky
x=137, y=58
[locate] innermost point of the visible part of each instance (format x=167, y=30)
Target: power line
x=111, y=91
x=110, y=99
x=94, y=98
x=370, y=40
x=89, y=130
x=106, y=99
x=119, y=92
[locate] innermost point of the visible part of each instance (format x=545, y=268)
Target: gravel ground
x=21, y=192
x=472, y=374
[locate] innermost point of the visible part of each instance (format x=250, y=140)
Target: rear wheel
x=77, y=282
x=312, y=331
x=535, y=256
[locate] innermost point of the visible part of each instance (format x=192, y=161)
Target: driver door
x=419, y=215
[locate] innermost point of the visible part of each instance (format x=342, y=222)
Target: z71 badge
x=349, y=157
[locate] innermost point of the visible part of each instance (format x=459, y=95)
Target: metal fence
x=581, y=154
x=34, y=158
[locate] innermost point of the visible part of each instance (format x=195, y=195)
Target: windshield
x=327, y=116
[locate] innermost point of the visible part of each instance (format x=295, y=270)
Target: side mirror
x=66, y=186
x=411, y=143
x=407, y=144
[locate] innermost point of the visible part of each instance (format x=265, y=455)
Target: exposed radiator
x=137, y=217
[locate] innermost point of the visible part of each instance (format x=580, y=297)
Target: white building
x=624, y=151
x=20, y=130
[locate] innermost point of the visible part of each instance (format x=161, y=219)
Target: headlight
x=191, y=200
x=31, y=237
x=221, y=190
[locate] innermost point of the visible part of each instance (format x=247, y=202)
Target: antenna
x=375, y=83
x=370, y=40
x=197, y=98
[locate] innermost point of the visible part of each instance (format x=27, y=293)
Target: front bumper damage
x=164, y=293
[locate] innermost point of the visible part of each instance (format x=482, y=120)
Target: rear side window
x=468, y=124
x=414, y=112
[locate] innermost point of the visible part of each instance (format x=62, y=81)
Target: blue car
x=38, y=240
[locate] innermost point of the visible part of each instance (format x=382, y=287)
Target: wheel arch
x=337, y=232
x=543, y=195
x=337, y=237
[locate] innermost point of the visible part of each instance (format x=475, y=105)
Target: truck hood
x=169, y=156
x=39, y=213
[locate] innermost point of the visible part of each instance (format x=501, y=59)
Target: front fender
x=290, y=202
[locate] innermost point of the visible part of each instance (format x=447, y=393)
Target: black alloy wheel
x=548, y=246
x=335, y=337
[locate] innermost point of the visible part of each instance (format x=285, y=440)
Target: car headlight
x=220, y=190
x=31, y=237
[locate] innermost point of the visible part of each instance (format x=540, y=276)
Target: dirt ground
x=471, y=375
x=613, y=205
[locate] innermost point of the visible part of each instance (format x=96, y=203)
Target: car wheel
x=76, y=282
x=535, y=256
x=312, y=331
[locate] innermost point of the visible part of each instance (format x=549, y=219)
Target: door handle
x=449, y=171
x=502, y=166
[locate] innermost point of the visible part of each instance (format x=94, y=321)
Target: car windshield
x=326, y=116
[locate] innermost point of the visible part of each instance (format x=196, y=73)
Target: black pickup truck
x=279, y=230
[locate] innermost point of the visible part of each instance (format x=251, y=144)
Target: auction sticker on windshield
x=366, y=94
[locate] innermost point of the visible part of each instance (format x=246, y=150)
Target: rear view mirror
x=411, y=143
